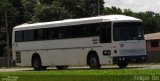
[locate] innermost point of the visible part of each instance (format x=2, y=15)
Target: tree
x=17, y=4
x=46, y=2
x=62, y=9
x=128, y=12
x=93, y=7
x=52, y=12
x=6, y=8
x=29, y=7
x=150, y=22
x=112, y=10
x=74, y=7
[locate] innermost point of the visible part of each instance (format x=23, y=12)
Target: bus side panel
x=76, y=56
x=103, y=59
x=60, y=57
x=26, y=57
x=45, y=57
x=56, y=57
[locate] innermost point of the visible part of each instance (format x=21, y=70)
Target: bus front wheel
x=61, y=67
x=94, y=62
x=122, y=65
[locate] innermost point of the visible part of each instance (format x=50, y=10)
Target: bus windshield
x=128, y=31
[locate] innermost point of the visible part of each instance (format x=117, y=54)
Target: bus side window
x=105, y=32
x=52, y=33
x=40, y=33
x=28, y=35
x=18, y=36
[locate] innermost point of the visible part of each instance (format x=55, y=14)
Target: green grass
x=89, y=72
x=84, y=75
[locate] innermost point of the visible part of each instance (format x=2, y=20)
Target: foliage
x=112, y=10
x=28, y=6
x=91, y=7
x=62, y=9
x=52, y=12
x=6, y=7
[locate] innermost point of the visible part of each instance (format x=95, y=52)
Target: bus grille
x=132, y=51
x=18, y=57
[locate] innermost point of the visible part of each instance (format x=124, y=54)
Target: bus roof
x=76, y=21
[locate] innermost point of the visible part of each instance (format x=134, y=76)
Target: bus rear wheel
x=37, y=65
x=44, y=67
x=94, y=62
x=61, y=67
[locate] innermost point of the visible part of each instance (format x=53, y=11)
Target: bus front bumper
x=129, y=59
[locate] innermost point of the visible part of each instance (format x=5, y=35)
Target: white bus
x=94, y=41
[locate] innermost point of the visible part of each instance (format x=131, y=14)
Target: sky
x=135, y=5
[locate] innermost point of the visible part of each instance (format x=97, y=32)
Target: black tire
x=44, y=67
x=122, y=65
x=61, y=67
x=94, y=62
x=37, y=65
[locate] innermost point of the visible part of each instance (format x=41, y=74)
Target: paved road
x=77, y=68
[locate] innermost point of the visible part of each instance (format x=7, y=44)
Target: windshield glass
x=128, y=31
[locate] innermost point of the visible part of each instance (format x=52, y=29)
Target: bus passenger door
x=106, y=42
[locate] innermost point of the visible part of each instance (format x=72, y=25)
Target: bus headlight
x=143, y=58
x=120, y=59
x=123, y=59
